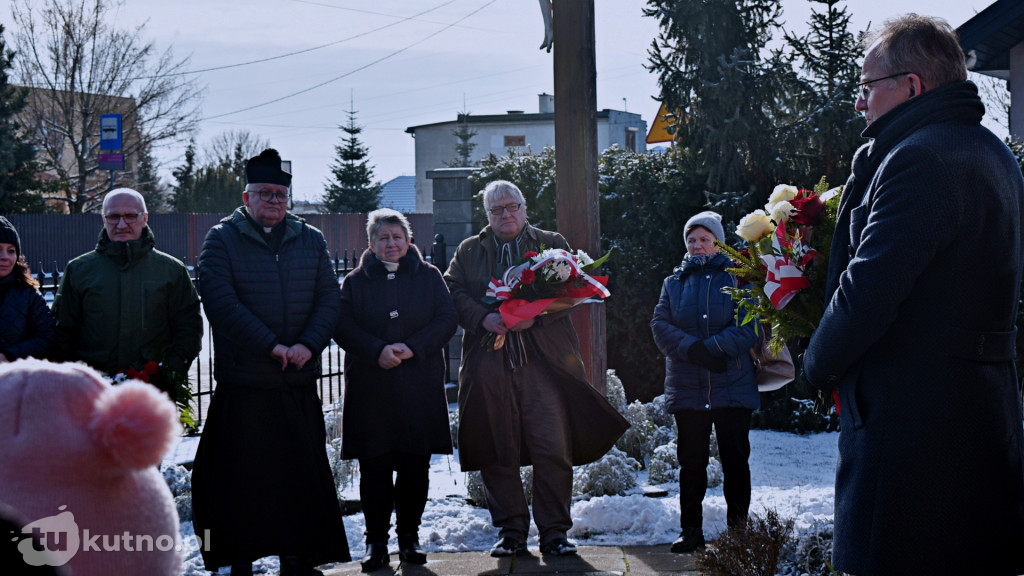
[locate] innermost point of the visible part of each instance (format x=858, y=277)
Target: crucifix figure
x=549, y=31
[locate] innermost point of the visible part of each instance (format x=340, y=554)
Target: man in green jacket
x=125, y=303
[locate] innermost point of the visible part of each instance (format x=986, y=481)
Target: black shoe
x=508, y=546
x=376, y=556
x=558, y=547
x=690, y=539
x=296, y=566
x=409, y=550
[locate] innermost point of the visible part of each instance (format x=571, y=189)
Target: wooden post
x=576, y=161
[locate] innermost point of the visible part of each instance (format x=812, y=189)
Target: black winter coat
x=26, y=325
x=403, y=409
x=918, y=336
x=256, y=297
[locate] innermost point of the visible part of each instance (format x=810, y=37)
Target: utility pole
x=576, y=161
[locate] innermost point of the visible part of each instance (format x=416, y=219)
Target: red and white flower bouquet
x=546, y=282
x=782, y=272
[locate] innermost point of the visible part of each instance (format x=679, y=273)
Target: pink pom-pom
x=136, y=423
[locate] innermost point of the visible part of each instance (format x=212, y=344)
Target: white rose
x=782, y=193
x=754, y=226
x=782, y=211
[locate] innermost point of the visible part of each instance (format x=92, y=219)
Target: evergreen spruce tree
x=711, y=66
x=464, y=145
x=149, y=183
x=185, y=175
x=351, y=189
x=824, y=128
x=18, y=184
x=218, y=188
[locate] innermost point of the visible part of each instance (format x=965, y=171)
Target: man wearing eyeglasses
x=126, y=303
x=918, y=335
x=272, y=299
x=528, y=402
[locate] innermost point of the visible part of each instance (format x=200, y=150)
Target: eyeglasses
x=865, y=87
x=129, y=218
x=497, y=210
x=268, y=195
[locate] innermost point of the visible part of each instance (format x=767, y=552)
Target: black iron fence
x=330, y=383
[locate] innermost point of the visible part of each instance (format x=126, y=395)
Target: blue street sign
x=110, y=132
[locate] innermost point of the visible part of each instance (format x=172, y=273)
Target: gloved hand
x=698, y=354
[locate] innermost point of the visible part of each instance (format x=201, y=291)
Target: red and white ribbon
x=785, y=277
x=502, y=289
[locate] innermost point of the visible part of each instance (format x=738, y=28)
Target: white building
x=435, y=143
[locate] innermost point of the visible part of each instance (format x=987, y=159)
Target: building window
x=631, y=141
x=515, y=141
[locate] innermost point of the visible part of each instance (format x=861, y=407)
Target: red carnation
x=530, y=254
x=809, y=208
x=528, y=276
x=136, y=375
x=151, y=368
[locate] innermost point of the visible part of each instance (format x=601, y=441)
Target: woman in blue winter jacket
x=709, y=377
x=26, y=326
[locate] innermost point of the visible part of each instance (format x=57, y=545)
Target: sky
x=402, y=63
x=792, y=474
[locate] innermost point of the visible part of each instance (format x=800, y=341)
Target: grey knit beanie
x=707, y=219
x=9, y=235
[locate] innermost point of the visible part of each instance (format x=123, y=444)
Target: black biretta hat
x=266, y=169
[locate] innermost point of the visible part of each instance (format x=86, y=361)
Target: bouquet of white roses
x=782, y=273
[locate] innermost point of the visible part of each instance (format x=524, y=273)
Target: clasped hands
x=393, y=354
x=296, y=354
x=699, y=354
x=494, y=323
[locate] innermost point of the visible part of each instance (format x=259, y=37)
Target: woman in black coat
x=26, y=326
x=396, y=317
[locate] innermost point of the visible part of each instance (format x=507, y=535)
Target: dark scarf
x=509, y=253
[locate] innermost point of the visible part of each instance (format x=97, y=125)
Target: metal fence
x=330, y=384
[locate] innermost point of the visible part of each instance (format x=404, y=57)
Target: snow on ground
x=794, y=475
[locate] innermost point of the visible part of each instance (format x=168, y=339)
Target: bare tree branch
x=80, y=67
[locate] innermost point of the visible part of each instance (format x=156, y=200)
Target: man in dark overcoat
x=261, y=482
x=918, y=334
x=528, y=402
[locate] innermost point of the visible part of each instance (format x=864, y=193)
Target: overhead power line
x=351, y=72
x=303, y=51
